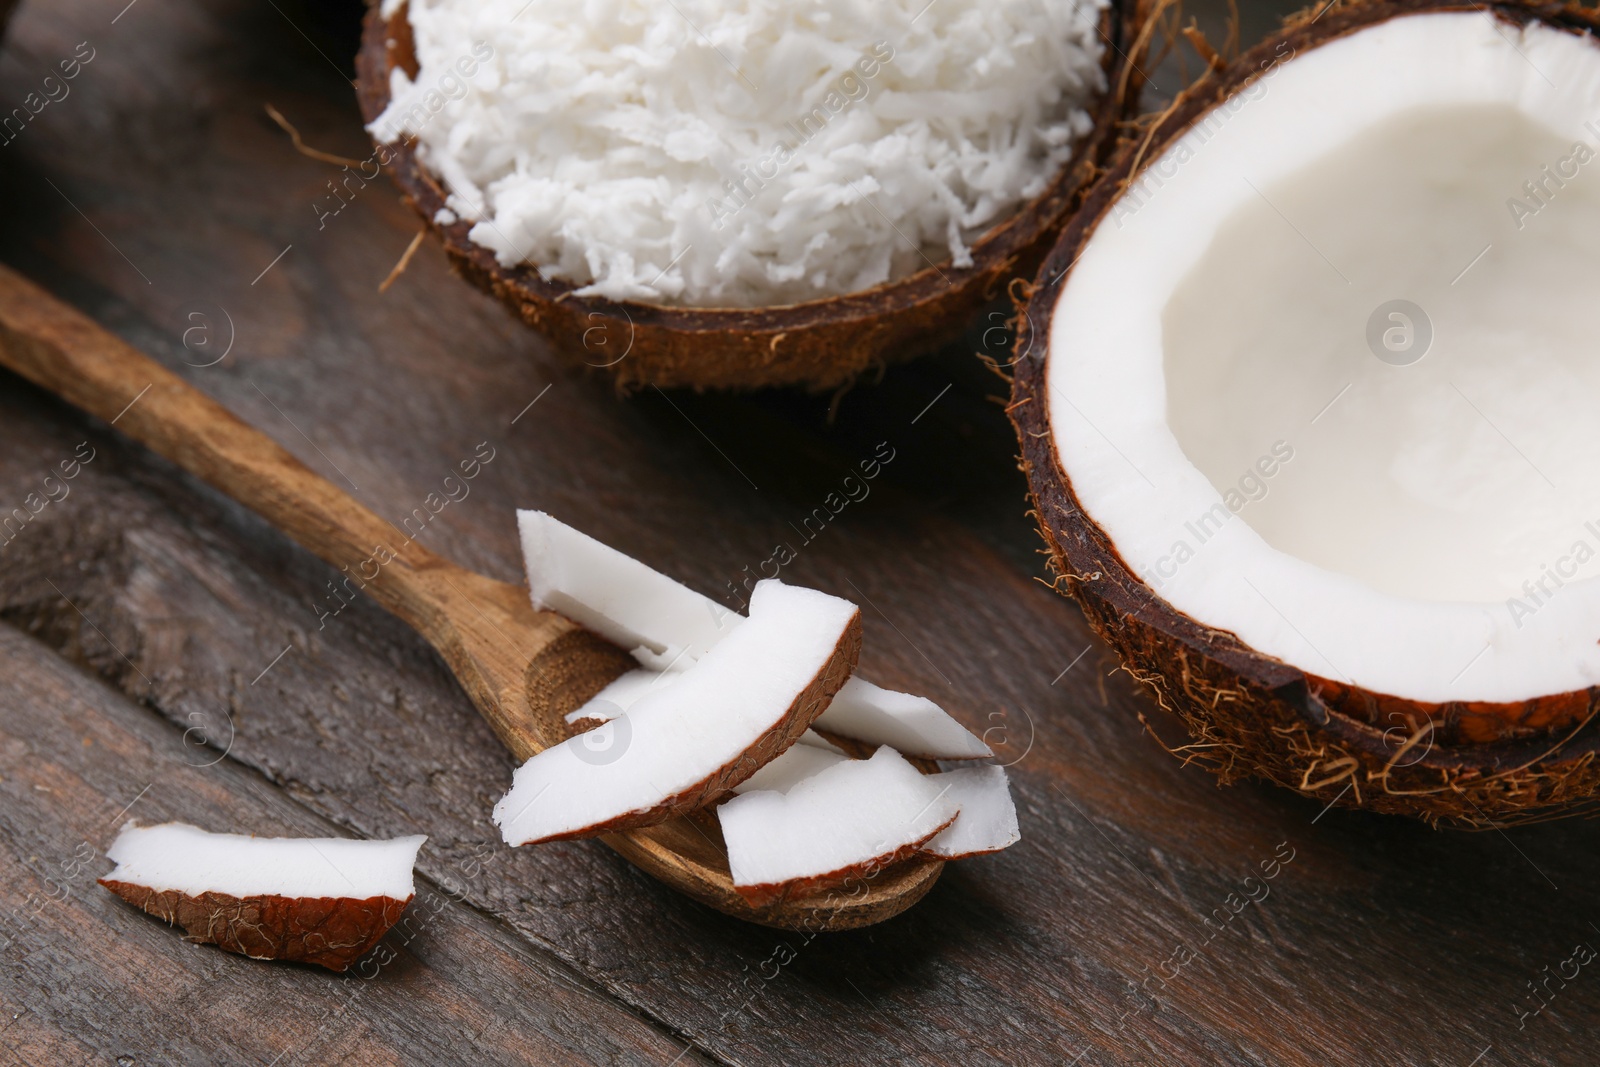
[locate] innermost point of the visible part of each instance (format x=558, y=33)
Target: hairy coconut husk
x=1249, y=715
x=821, y=344
x=331, y=932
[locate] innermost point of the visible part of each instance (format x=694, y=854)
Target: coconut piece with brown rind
x=847, y=821
x=988, y=819
x=331, y=932
x=305, y=900
x=687, y=744
x=860, y=717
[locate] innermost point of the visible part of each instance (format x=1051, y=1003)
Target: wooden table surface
x=161, y=658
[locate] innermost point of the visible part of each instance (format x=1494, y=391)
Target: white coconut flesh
x=842, y=819
x=794, y=765
x=988, y=817
x=668, y=626
x=717, y=153
x=913, y=725
x=621, y=694
x=661, y=735
x=177, y=857
x=674, y=739
x=1422, y=527
x=664, y=623
x=860, y=711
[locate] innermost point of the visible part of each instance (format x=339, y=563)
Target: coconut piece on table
x=688, y=743
x=664, y=623
x=849, y=820
x=988, y=819
x=912, y=725
x=325, y=901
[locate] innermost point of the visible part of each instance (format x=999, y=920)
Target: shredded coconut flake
x=742, y=154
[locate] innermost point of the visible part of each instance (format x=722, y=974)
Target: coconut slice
x=311, y=900
x=618, y=697
x=622, y=694
x=810, y=753
x=626, y=691
x=849, y=820
x=988, y=819
x=913, y=725
x=860, y=712
x=669, y=626
x=688, y=743
x=666, y=624
x=797, y=763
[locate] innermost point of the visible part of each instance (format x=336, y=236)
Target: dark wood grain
x=525, y=670
x=1381, y=942
x=87, y=978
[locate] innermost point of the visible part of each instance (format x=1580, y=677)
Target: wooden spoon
x=524, y=669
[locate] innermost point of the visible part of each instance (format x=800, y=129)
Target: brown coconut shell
x=807, y=705
x=331, y=932
x=1474, y=764
x=821, y=344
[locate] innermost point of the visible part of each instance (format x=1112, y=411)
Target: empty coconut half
x=711, y=267
x=325, y=901
x=1306, y=405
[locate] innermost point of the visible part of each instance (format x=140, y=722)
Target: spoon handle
x=60, y=349
x=524, y=669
